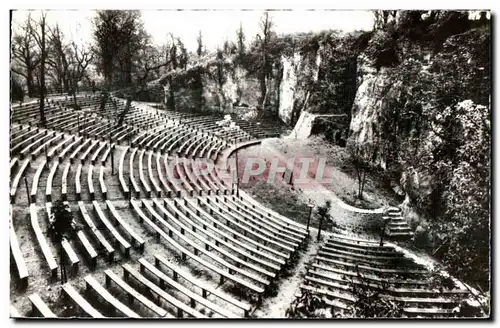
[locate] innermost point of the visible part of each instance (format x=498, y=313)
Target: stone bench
x=179, y=169
x=119, y=240
x=153, y=180
x=36, y=178
x=78, y=184
x=160, y=261
x=42, y=241
x=299, y=232
x=39, y=141
x=134, y=294
x=22, y=270
x=134, y=237
x=38, y=307
x=199, y=249
x=248, y=227
x=194, y=298
x=70, y=291
x=196, y=183
x=114, y=304
x=27, y=142
x=134, y=183
x=372, y=269
x=17, y=178
x=186, y=253
x=64, y=182
x=96, y=232
x=129, y=272
x=14, y=162
x=34, y=154
x=89, y=249
x=77, y=150
x=279, y=256
x=161, y=176
x=264, y=266
x=70, y=147
x=142, y=178
x=281, y=233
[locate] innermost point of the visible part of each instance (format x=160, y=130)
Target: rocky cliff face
x=395, y=106
x=221, y=86
x=299, y=72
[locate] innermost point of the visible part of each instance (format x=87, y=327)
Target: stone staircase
x=397, y=227
x=345, y=263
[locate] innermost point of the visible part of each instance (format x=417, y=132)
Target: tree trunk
x=358, y=173
x=263, y=88
x=362, y=186
x=29, y=82
x=42, y=76
x=65, y=85
x=74, y=96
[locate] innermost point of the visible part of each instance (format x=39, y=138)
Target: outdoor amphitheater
x=250, y=164
x=161, y=240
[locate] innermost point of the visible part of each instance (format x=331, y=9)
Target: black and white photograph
x=318, y=164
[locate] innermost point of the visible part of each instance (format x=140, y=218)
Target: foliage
x=334, y=129
x=119, y=37
x=336, y=87
x=323, y=212
x=17, y=92
x=325, y=219
x=61, y=225
x=361, y=156
x=427, y=29
x=466, y=221
x=308, y=305
x=369, y=304
x=199, y=41
x=240, y=44
x=428, y=130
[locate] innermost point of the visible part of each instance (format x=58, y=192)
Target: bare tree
x=25, y=57
x=78, y=63
x=39, y=31
x=59, y=61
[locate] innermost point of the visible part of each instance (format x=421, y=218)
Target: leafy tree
x=465, y=224
x=240, y=42
x=119, y=35
x=182, y=56
x=61, y=227
x=323, y=212
x=265, y=70
x=199, y=40
x=430, y=128
x=360, y=157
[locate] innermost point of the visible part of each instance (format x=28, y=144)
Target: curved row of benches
x=345, y=263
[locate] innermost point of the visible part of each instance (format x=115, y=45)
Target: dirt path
x=275, y=307
x=344, y=215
